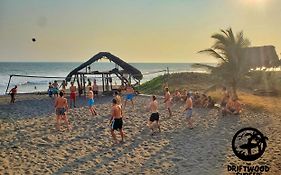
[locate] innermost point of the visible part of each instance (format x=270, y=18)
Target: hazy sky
x=134, y=30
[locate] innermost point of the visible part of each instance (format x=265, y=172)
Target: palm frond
x=213, y=53
x=204, y=66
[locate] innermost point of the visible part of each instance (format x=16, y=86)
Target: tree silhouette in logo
x=249, y=144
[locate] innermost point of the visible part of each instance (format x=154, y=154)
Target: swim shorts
x=154, y=117
x=60, y=111
x=72, y=95
x=130, y=96
x=55, y=91
x=91, y=102
x=188, y=113
x=117, y=124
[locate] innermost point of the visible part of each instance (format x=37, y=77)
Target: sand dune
x=30, y=144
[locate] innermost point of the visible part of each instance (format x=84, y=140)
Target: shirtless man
x=188, y=110
x=168, y=101
x=13, y=93
x=116, y=121
x=95, y=88
x=61, y=109
x=91, y=101
x=55, y=88
x=72, y=95
x=117, y=97
x=177, y=95
x=153, y=107
x=130, y=95
x=232, y=107
x=63, y=85
x=225, y=97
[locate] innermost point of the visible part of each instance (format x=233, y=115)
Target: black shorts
x=117, y=124
x=60, y=111
x=96, y=92
x=154, y=117
x=12, y=95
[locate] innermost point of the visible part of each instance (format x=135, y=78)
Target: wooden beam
x=8, y=84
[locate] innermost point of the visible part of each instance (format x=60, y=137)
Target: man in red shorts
x=72, y=95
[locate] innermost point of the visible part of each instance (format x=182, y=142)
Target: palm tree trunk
x=234, y=88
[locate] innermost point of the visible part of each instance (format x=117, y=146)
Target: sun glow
x=255, y=2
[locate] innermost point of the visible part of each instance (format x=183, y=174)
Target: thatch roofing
x=135, y=73
x=262, y=56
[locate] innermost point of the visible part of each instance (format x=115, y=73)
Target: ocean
x=61, y=69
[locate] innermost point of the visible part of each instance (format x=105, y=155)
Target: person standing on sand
x=129, y=95
x=168, y=101
x=188, y=110
x=225, y=96
x=95, y=88
x=13, y=93
x=153, y=107
x=116, y=121
x=63, y=85
x=72, y=95
x=61, y=107
x=91, y=101
x=50, y=89
x=55, y=88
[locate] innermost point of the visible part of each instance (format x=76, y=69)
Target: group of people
x=230, y=104
x=54, y=88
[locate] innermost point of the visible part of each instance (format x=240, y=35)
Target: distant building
x=262, y=56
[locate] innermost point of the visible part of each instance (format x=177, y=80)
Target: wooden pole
x=102, y=83
x=84, y=83
x=8, y=84
x=81, y=84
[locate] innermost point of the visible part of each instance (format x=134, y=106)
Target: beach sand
x=30, y=144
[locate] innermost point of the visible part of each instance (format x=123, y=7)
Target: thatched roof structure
x=127, y=68
x=262, y=56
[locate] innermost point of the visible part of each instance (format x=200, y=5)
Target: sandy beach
x=30, y=144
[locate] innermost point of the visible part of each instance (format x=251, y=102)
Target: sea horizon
x=61, y=69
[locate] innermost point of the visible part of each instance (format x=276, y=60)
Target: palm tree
x=229, y=50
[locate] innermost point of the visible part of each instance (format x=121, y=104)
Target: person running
x=72, y=95
x=95, y=88
x=118, y=98
x=129, y=95
x=13, y=93
x=91, y=101
x=116, y=121
x=154, y=118
x=188, y=110
x=168, y=101
x=61, y=107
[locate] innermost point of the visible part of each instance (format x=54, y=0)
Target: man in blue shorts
x=91, y=101
x=129, y=95
x=188, y=110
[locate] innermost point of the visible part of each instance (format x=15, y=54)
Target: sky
x=134, y=30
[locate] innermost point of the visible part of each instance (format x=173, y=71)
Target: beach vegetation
x=228, y=49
